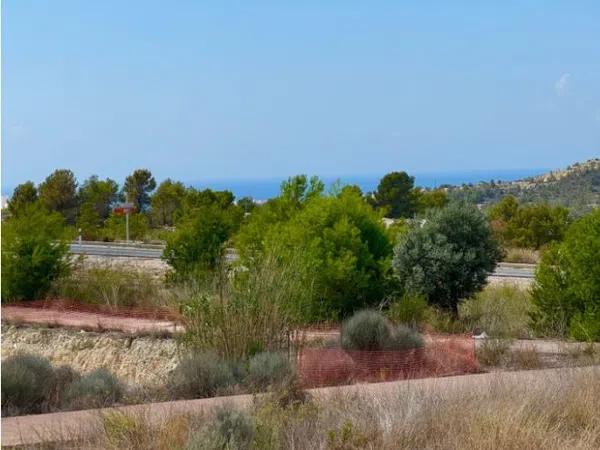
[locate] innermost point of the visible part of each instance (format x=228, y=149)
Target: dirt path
x=89, y=321
x=36, y=429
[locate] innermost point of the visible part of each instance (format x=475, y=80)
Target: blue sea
x=263, y=189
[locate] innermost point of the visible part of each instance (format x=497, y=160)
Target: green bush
x=530, y=226
x=370, y=330
x=366, y=330
x=114, y=227
x=26, y=384
x=64, y=376
x=566, y=292
x=449, y=257
x=268, y=369
x=201, y=375
x=337, y=243
x=198, y=241
x=409, y=309
x=405, y=338
x=231, y=429
x=96, y=389
x=499, y=310
x=34, y=253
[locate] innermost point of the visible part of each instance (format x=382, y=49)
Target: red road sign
x=123, y=209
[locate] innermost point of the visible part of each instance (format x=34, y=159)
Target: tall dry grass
x=547, y=412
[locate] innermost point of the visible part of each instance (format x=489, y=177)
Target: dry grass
x=546, y=412
x=115, y=287
x=522, y=255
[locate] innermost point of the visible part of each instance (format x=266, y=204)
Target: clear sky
x=197, y=90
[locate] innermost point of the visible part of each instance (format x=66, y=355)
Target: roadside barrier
x=442, y=355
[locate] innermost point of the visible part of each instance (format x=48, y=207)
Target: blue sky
x=198, y=90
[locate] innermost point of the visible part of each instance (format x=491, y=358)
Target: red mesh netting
x=441, y=356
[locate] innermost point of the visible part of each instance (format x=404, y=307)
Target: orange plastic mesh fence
x=442, y=355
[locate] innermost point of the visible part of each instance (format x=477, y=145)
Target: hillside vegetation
x=576, y=187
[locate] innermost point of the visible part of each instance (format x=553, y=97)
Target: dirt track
x=35, y=429
x=87, y=320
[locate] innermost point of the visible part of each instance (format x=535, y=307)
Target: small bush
x=64, y=376
x=366, y=330
x=26, y=381
x=410, y=310
x=406, y=338
x=34, y=253
x=201, y=375
x=499, y=310
x=493, y=351
x=269, y=368
x=231, y=429
x=527, y=358
x=370, y=330
x=247, y=311
x=443, y=321
x=97, y=389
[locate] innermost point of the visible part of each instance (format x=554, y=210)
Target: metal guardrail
x=131, y=251
x=140, y=250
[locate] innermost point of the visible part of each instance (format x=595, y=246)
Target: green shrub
x=337, y=243
x=449, y=257
x=585, y=326
x=64, y=376
x=268, y=369
x=201, y=375
x=114, y=227
x=493, y=351
x=197, y=243
x=34, y=253
x=96, y=389
x=26, y=384
x=370, y=330
x=567, y=283
x=231, y=429
x=366, y=330
x=499, y=310
x=409, y=309
x=443, y=321
x=405, y=338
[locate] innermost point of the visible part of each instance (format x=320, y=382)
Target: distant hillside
x=576, y=187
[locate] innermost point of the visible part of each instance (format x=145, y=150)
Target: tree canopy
x=449, y=257
x=337, y=242
x=34, y=252
x=166, y=202
x=23, y=195
x=531, y=226
x=396, y=195
x=138, y=187
x=58, y=193
x=101, y=194
x=566, y=292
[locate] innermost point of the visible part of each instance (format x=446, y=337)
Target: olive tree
x=448, y=257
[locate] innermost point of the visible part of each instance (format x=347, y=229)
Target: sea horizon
x=268, y=187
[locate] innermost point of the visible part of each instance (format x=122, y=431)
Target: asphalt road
x=504, y=270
